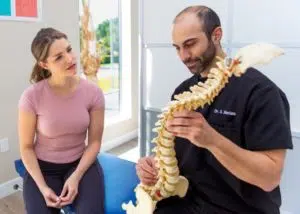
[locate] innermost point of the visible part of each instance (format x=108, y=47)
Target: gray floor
x=128, y=151
x=13, y=204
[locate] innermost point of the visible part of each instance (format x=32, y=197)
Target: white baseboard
x=296, y=134
x=7, y=188
x=108, y=145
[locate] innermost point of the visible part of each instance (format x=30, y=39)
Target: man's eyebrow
x=174, y=45
x=189, y=40
x=186, y=41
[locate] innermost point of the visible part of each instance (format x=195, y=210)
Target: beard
x=202, y=62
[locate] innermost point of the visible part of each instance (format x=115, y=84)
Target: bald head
x=207, y=17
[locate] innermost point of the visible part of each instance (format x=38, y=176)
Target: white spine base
x=145, y=204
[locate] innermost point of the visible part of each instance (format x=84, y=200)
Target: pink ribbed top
x=62, y=121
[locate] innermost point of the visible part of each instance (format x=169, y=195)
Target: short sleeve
x=267, y=124
x=27, y=101
x=98, y=101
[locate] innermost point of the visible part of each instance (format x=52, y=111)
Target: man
x=232, y=152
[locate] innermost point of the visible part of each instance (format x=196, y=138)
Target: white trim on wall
x=296, y=134
x=141, y=133
x=108, y=145
x=7, y=188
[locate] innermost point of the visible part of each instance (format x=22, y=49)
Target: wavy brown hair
x=40, y=50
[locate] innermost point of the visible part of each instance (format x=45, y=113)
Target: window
x=105, y=21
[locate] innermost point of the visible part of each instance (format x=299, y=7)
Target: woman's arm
x=95, y=132
x=89, y=156
x=26, y=129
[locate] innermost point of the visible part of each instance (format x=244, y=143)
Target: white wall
x=161, y=65
x=16, y=64
x=243, y=22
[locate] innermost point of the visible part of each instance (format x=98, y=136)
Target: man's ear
x=43, y=65
x=217, y=35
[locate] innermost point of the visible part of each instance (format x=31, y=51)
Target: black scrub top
x=253, y=113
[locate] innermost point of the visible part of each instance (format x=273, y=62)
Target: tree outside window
x=106, y=28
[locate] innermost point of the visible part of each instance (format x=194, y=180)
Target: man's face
x=193, y=47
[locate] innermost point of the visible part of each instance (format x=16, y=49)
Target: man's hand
x=146, y=170
x=260, y=168
x=193, y=126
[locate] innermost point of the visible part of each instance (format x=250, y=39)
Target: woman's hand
x=51, y=199
x=69, y=191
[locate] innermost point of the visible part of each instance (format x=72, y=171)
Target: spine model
x=170, y=182
x=90, y=51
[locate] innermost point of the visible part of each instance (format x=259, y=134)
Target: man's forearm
x=252, y=167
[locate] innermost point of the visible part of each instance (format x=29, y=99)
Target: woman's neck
x=61, y=82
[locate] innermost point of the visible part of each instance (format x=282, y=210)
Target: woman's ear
x=43, y=65
x=217, y=35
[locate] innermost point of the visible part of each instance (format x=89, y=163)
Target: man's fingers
x=146, y=175
x=152, y=163
x=187, y=114
x=185, y=121
x=186, y=136
x=149, y=181
x=179, y=129
x=154, y=166
x=147, y=168
x=178, y=122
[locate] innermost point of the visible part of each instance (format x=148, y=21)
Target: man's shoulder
x=255, y=76
x=254, y=79
x=255, y=86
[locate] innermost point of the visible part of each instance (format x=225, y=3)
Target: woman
x=55, y=114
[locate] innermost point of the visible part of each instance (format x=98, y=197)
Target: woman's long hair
x=40, y=49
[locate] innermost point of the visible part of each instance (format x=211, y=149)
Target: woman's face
x=61, y=60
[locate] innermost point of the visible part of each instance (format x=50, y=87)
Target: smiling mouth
x=191, y=65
